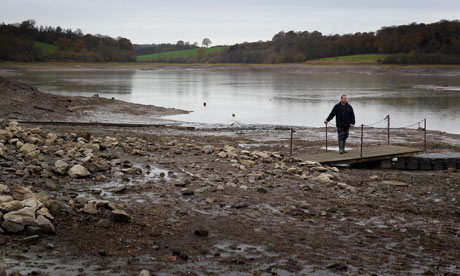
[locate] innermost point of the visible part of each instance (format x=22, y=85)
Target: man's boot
x=341, y=146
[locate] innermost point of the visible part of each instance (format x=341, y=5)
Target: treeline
x=17, y=44
x=415, y=43
x=147, y=49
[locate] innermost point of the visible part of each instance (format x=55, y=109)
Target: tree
x=180, y=43
x=206, y=42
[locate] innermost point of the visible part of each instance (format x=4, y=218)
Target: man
x=345, y=118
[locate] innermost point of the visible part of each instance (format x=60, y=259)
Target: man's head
x=343, y=99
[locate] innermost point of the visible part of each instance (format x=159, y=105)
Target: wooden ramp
x=373, y=153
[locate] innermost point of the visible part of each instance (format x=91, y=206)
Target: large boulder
x=5, y=198
x=11, y=206
x=5, y=134
x=78, y=171
x=324, y=178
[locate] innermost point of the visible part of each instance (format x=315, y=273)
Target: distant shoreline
x=10, y=68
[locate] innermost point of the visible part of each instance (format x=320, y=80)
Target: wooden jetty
x=372, y=153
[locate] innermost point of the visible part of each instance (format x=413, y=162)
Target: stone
x=45, y=212
x=132, y=170
x=144, y=273
x=26, y=148
x=318, y=169
x=90, y=207
x=262, y=190
x=261, y=155
x=84, y=134
x=104, y=223
x=49, y=185
x=14, y=224
x=24, y=212
x=222, y=154
x=2, y=242
x=45, y=225
x=208, y=149
x=60, y=166
x=4, y=189
x=21, y=193
x=33, y=203
x=247, y=163
x=323, y=179
x=120, y=216
x=5, y=134
x=394, y=183
x=5, y=198
x=374, y=177
x=11, y=206
x=78, y=171
x=4, y=154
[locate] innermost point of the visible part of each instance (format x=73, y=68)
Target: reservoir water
x=276, y=98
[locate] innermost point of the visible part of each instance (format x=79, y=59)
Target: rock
x=201, y=233
x=229, y=149
x=4, y=199
x=132, y=170
x=374, y=177
x=337, y=266
x=26, y=148
x=90, y=207
x=78, y=171
x=294, y=170
x=144, y=273
x=208, y=149
x=222, y=154
x=21, y=193
x=49, y=185
x=334, y=169
x=318, y=169
x=187, y=192
x=247, y=163
x=4, y=154
x=5, y=134
x=261, y=155
x=262, y=190
x=14, y=224
x=11, y=206
x=394, y=183
x=240, y=205
x=33, y=203
x=45, y=225
x=45, y=212
x=2, y=242
x=120, y=216
x=323, y=179
x=60, y=166
x=84, y=134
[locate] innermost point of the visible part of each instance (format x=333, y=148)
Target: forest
x=26, y=42
x=436, y=43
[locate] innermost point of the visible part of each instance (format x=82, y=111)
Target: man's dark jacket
x=344, y=115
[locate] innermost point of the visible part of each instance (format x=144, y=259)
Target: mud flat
x=216, y=200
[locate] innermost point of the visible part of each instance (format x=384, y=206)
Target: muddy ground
x=230, y=201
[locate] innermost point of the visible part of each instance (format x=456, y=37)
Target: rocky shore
x=97, y=200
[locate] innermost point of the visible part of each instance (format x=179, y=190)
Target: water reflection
x=268, y=97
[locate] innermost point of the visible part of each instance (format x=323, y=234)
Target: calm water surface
x=269, y=97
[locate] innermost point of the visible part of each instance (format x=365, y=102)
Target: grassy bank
x=183, y=54
x=45, y=47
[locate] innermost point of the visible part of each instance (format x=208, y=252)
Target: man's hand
x=325, y=122
x=352, y=125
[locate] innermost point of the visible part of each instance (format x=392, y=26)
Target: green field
x=45, y=47
x=167, y=56
x=357, y=58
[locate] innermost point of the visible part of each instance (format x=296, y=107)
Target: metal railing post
x=290, y=151
x=424, y=134
x=388, y=128
x=362, y=133
x=326, y=137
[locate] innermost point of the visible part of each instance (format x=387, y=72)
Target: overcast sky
x=224, y=22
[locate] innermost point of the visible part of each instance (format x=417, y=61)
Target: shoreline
x=448, y=70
